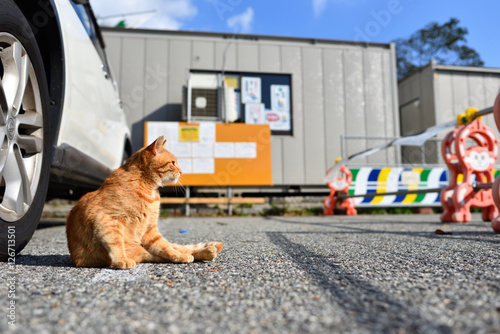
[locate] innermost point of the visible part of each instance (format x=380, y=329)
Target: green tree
x=445, y=43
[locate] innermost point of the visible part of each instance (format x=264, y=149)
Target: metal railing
x=428, y=154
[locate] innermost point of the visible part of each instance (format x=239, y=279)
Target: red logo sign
x=272, y=117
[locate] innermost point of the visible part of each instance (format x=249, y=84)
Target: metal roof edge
x=452, y=68
x=431, y=64
x=474, y=69
x=249, y=37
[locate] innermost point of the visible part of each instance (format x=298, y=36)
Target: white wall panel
x=335, y=115
x=354, y=100
x=270, y=58
x=225, y=56
x=132, y=86
x=248, y=57
x=314, y=121
x=156, y=79
x=374, y=101
x=203, y=55
x=293, y=146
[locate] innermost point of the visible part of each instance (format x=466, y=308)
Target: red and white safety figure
x=471, y=161
x=339, y=188
x=451, y=160
x=477, y=160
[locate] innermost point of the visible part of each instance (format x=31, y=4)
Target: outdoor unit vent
x=203, y=97
x=204, y=102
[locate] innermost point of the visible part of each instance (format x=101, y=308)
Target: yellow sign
x=232, y=81
x=189, y=133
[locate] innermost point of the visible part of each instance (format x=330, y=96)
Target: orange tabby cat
x=116, y=224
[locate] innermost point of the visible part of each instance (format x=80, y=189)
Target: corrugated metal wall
x=444, y=92
x=338, y=88
x=447, y=91
x=416, y=101
x=460, y=88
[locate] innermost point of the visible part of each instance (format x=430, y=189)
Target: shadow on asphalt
x=352, y=229
x=350, y=292
x=52, y=222
x=45, y=260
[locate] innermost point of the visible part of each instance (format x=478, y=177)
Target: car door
x=93, y=121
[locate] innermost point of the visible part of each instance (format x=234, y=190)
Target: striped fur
x=116, y=225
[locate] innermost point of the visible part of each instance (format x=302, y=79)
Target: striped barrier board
x=367, y=180
x=379, y=180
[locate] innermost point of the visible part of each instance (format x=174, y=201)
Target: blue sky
x=354, y=20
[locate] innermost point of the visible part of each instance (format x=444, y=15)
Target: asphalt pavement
x=336, y=274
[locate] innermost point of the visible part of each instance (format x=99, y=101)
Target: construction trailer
x=437, y=94
x=336, y=88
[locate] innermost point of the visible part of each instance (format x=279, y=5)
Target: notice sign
x=278, y=120
x=189, y=133
x=251, y=90
x=410, y=178
x=280, y=97
x=246, y=150
x=254, y=113
x=279, y=117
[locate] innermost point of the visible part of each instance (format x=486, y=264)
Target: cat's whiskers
x=179, y=185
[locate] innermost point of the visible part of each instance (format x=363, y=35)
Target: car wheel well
x=127, y=149
x=45, y=27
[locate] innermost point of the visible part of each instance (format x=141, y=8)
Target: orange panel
x=238, y=171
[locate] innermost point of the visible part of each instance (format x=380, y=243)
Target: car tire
x=25, y=140
x=125, y=156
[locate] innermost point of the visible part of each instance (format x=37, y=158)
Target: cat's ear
x=156, y=146
x=160, y=143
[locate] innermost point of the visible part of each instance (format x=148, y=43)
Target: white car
x=62, y=126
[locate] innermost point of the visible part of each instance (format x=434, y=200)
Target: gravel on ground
x=329, y=274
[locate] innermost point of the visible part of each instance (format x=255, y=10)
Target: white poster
x=280, y=97
x=251, y=90
x=245, y=150
x=203, y=150
x=170, y=130
x=207, y=132
x=224, y=150
x=186, y=165
x=278, y=120
x=254, y=113
x=203, y=166
x=179, y=149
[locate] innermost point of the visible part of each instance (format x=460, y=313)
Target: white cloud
x=168, y=15
x=319, y=6
x=242, y=23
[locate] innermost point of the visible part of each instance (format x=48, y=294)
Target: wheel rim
x=21, y=130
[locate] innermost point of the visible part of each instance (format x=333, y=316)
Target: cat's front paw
x=218, y=245
x=124, y=264
x=205, y=254
x=183, y=258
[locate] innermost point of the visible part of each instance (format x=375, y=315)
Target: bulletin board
x=217, y=154
x=266, y=99
x=257, y=98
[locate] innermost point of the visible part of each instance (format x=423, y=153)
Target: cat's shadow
x=56, y=260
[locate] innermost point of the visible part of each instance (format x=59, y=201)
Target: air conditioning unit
x=203, y=95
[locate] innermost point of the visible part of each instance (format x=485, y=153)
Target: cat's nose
x=180, y=172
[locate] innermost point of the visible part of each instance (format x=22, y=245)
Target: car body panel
x=93, y=121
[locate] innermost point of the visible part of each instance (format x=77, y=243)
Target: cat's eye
x=173, y=163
